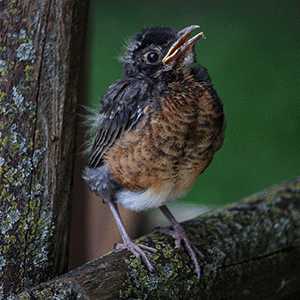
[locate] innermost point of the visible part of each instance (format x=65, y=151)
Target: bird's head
x=157, y=51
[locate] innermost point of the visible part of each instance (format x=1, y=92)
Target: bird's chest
x=185, y=129
x=173, y=145
x=186, y=133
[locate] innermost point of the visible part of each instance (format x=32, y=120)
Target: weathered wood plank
x=251, y=251
x=40, y=52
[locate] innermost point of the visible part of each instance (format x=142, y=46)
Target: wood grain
x=40, y=50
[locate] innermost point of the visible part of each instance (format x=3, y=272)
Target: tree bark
x=41, y=44
x=251, y=250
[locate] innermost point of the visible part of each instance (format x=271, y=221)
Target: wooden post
x=41, y=44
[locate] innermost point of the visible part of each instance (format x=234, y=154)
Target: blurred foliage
x=252, y=52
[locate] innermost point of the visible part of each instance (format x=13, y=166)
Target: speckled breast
x=173, y=144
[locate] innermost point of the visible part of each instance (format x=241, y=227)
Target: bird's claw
x=147, y=248
x=181, y=239
x=138, y=250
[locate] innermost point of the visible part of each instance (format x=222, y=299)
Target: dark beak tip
x=188, y=29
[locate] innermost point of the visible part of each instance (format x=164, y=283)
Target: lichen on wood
x=39, y=39
x=251, y=250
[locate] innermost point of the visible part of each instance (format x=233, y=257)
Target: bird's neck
x=193, y=88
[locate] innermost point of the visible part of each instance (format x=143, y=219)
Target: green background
x=252, y=52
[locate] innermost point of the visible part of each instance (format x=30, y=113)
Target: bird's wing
x=122, y=108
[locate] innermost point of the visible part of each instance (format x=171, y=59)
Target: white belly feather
x=149, y=198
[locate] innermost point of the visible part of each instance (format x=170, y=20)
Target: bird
x=157, y=130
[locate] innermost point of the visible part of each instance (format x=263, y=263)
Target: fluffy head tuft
x=156, y=36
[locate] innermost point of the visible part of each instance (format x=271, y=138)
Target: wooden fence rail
x=251, y=251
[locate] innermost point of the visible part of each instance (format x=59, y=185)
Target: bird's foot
x=138, y=250
x=181, y=239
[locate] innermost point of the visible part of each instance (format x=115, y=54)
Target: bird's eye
x=152, y=57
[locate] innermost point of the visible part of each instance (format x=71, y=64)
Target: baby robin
x=157, y=130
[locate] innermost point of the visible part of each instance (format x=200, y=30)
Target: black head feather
x=159, y=36
x=151, y=43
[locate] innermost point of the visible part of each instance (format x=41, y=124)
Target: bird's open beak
x=183, y=45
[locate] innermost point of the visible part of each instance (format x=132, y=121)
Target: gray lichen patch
x=14, y=102
x=23, y=35
x=26, y=52
x=3, y=67
x=8, y=221
x=18, y=98
x=2, y=262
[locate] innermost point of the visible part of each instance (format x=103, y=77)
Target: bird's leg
x=181, y=238
x=99, y=182
x=128, y=244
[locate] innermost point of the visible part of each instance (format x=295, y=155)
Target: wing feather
x=122, y=109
